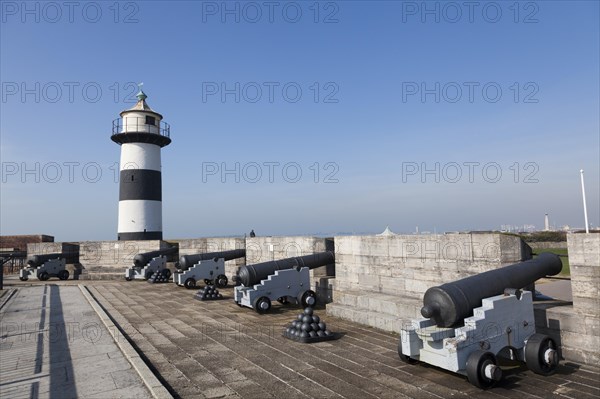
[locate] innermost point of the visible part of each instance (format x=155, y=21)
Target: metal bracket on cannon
x=283, y=286
x=155, y=265
x=43, y=267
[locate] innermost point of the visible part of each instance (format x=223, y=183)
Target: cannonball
x=312, y=334
x=307, y=319
x=320, y=333
x=300, y=316
x=308, y=311
x=316, y=319
x=306, y=327
x=314, y=326
x=288, y=331
x=303, y=334
x=327, y=333
x=220, y=296
x=322, y=326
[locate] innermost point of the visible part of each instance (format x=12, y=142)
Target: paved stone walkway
x=216, y=349
x=53, y=345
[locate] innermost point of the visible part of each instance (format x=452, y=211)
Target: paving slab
x=53, y=345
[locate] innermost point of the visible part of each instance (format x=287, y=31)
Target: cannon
x=187, y=261
x=140, y=260
x=283, y=280
x=471, y=322
x=45, y=266
x=147, y=263
x=207, y=267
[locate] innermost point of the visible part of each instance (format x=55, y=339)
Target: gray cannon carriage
x=471, y=322
x=282, y=280
x=148, y=263
x=208, y=267
x=45, y=266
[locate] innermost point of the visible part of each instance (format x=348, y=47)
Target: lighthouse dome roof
x=141, y=105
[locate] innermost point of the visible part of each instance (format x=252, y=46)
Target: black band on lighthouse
x=142, y=235
x=140, y=184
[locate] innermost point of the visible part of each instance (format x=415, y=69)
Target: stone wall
x=548, y=244
x=380, y=280
x=576, y=325
x=215, y=244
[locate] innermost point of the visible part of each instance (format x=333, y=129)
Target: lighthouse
x=142, y=134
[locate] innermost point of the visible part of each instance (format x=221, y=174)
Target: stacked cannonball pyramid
x=308, y=327
x=161, y=276
x=208, y=293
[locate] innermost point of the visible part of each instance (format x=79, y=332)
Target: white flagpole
x=587, y=226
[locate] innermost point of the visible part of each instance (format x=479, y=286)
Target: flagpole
x=587, y=226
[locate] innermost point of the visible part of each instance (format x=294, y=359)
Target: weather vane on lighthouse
x=141, y=133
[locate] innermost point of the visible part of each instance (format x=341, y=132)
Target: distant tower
x=546, y=223
x=141, y=134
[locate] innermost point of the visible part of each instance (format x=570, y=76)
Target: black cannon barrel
x=253, y=274
x=187, y=261
x=142, y=259
x=38, y=260
x=450, y=303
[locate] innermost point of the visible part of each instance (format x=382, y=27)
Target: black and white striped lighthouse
x=141, y=133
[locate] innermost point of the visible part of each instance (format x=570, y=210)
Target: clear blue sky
x=370, y=129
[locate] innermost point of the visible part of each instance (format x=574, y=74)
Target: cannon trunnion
x=471, y=322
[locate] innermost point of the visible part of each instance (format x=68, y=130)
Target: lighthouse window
x=150, y=120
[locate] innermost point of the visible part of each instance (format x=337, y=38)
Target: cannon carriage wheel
x=482, y=369
x=190, y=283
x=63, y=275
x=541, y=354
x=23, y=278
x=262, y=304
x=43, y=276
x=308, y=298
x=221, y=281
